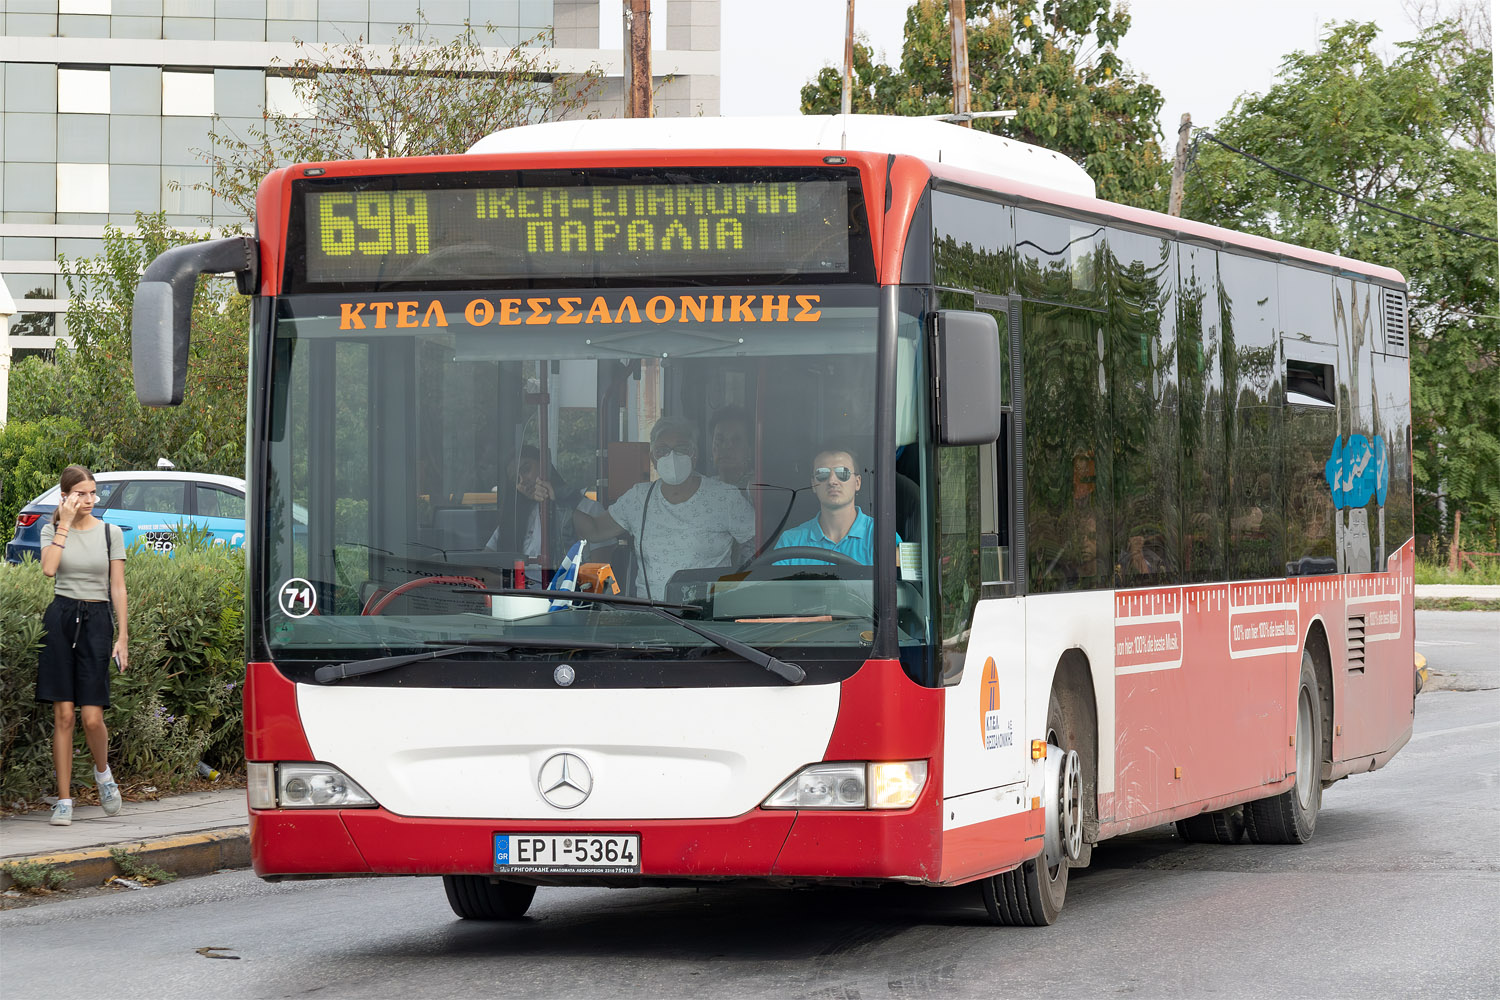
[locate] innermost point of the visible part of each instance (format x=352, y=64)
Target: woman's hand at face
x=67, y=512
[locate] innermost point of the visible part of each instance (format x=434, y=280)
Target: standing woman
x=87, y=558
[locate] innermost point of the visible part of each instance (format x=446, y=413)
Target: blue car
x=148, y=507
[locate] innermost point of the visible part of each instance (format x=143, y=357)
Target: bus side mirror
x=967, y=361
x=161, y=319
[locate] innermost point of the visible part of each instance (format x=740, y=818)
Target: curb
x=183, y=855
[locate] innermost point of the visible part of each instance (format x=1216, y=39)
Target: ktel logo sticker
x=989, y=709
x=297, y=598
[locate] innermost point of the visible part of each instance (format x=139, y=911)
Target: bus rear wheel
x=1032, y=894
x=1292, y=816
x=476, y=897
x=1225, y=826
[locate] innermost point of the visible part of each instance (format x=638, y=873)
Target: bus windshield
x=433, y=456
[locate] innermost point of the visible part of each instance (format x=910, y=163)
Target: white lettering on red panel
x=1148, y=631
x=1377, y=596
x=1263, y=619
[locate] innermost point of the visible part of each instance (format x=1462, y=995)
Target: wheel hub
x=1064, y=797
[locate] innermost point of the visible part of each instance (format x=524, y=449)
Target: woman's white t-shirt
x=698, y=533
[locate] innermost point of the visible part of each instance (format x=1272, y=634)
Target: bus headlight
x=304, y=786
x=857, y=785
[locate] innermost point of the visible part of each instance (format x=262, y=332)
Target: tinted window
x=1201, y=382
x=1143, y=403
x=1067, y=470
x=1393, y=409
x=1356, y=327
x=216, y=502
x=1310, y=539
x=971, y=243
x=151, y=497
x=958, y=545
x=1306, y=305
x=1252, y=377
x=1059, y=259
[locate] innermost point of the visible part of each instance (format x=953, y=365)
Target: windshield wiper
x=789, y=672
x=331, y=672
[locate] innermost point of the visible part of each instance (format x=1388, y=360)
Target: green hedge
x=179, y=701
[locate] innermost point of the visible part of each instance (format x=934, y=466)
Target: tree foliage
x=1413, y=132
x=413, y=98
x=81, y=406
x=1052, y=61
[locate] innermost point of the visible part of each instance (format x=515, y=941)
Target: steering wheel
x=771, y=556
x=378, y=601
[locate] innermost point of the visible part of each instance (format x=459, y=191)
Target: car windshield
x=431, y=460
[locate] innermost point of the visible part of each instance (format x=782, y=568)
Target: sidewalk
x=1478, y=592
x=190, y=834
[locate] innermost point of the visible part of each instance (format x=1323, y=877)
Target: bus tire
x=476, y=897
x=1032, y=894
x=1292, y=816
x=1223, y=826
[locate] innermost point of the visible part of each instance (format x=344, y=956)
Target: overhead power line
x=1342, y=194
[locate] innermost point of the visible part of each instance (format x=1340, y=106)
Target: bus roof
x=926, y=138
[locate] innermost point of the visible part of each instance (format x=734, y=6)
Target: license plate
x=580, y=853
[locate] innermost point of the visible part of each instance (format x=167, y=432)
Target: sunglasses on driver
x=842, y=471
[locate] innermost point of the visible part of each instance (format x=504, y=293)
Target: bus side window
x=958, y=552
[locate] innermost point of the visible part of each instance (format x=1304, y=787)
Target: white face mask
x=674, y=468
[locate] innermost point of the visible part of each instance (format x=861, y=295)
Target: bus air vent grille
x=1355, y=643
x=1395, y=322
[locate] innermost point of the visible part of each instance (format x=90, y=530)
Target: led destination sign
x=760, y=227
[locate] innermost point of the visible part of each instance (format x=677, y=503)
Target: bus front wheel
x=1032, y=895
x=1291, y=817
x=476, y=897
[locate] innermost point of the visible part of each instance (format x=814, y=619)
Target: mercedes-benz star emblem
x=565, y=780
x=563, y=675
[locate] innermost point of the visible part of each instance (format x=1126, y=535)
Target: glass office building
x=106, y=101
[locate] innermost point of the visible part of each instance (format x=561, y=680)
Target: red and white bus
x=1131, y=536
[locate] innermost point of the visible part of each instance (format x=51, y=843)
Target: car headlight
x=855, y=785
x=304, y=786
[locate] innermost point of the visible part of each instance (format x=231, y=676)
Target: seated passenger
x=729, y=445
x=680, y=521
x=840, y=524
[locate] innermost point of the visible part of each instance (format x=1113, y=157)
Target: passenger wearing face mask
x=681, y=520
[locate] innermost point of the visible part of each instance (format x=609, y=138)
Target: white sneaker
x=109, y=797
x=62, y=814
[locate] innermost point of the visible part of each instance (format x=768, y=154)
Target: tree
x=92, y=383
x=1415, y=133
x=1052, y=61
x=416, y=98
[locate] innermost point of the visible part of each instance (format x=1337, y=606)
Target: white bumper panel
x=659, y=753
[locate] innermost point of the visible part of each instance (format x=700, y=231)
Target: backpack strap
x=109, y=553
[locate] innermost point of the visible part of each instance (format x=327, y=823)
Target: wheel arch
x=1316, y=643
x=1073, y=683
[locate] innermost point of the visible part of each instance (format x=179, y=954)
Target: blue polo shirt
x=858, y=544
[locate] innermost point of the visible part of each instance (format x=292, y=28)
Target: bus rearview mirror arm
x=161, y=318
x=966, y=356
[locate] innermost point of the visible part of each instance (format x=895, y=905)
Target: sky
x=1201, y=54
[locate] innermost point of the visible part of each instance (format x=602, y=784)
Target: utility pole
x=960, y=22
x=1179, y=165
x=844, y=100
x=637, y=58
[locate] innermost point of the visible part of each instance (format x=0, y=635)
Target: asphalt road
x=1398, y=895
x=1462, y=649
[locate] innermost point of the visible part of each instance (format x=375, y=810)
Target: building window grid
x=84, y=188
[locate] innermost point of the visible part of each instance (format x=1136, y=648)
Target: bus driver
x=681, y=520
x=840, y=525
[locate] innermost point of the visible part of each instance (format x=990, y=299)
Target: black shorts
x=74, y=665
